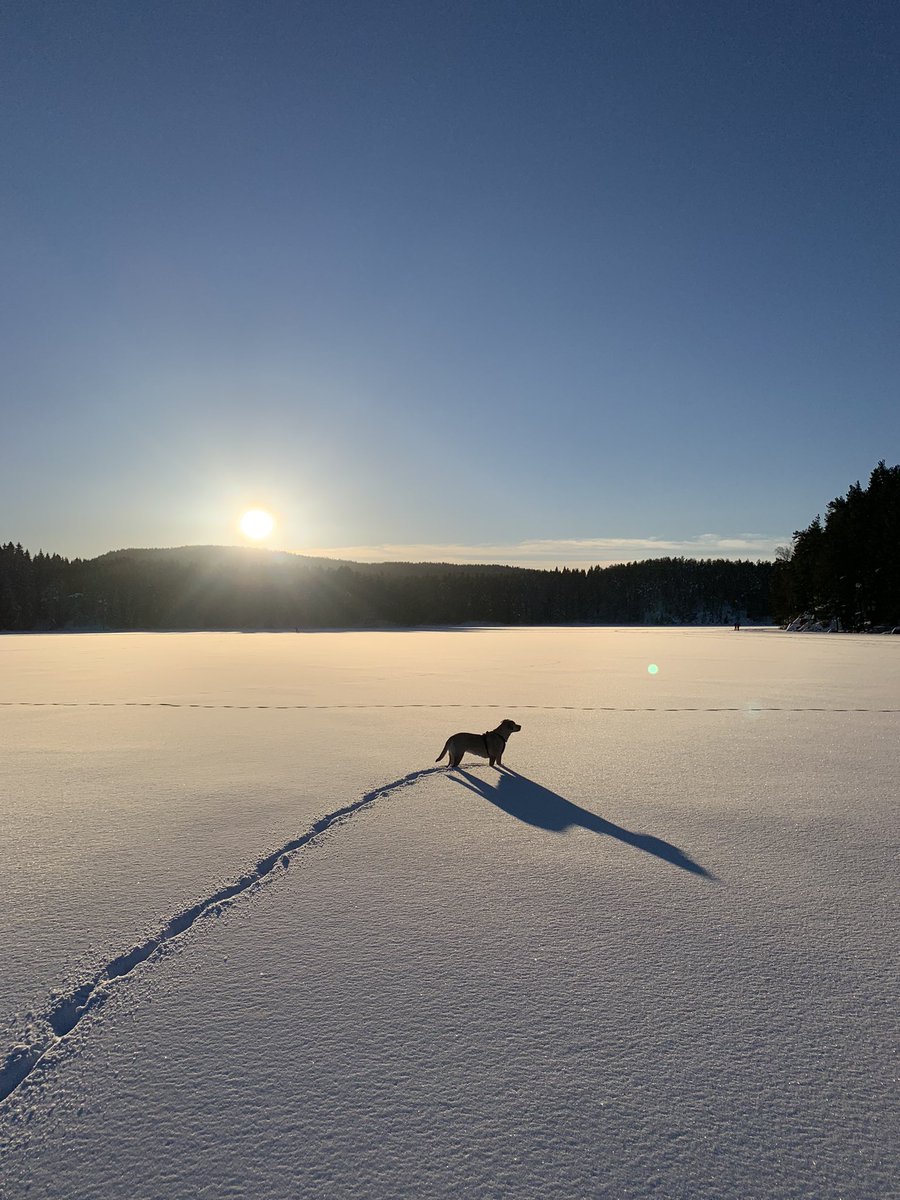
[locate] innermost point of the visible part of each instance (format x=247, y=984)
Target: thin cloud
x=563, y=552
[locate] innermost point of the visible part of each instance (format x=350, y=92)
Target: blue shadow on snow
x=536, y=805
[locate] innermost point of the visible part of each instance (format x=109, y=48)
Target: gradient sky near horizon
x=519, y=282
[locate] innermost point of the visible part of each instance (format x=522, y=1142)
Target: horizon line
x=548, y=553
x=534, y=553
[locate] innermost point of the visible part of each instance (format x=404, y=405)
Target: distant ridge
x=236, y=554
x=250, y=587
x=211, y=553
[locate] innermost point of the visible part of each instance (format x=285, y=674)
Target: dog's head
x=507, y=727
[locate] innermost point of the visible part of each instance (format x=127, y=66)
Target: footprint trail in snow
x=66, y=1010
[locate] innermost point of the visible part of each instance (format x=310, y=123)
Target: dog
x=488, y=745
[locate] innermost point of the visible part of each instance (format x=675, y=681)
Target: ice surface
x=658, y=957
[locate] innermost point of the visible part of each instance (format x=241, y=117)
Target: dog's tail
x=444, y=751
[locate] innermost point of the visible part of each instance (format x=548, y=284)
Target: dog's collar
x=494, y=733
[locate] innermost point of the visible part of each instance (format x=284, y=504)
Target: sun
x=256, y=523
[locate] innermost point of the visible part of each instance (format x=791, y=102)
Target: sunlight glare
x=256, y=523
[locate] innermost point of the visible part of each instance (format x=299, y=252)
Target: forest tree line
x=843, y=573
x=242, y=588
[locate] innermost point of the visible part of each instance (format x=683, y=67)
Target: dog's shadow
x=536, y=805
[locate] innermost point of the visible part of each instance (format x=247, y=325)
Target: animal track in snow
x=68, y=1008
x=606, y=708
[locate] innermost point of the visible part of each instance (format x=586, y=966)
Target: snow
x=657, y=957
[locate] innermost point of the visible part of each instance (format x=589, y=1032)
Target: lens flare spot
x=653, y=669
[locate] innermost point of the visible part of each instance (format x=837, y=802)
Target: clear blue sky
x=546, y=282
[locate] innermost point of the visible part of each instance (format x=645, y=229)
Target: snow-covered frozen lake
x=656, y=957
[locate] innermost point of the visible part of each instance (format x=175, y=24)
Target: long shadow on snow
x=536, y=805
